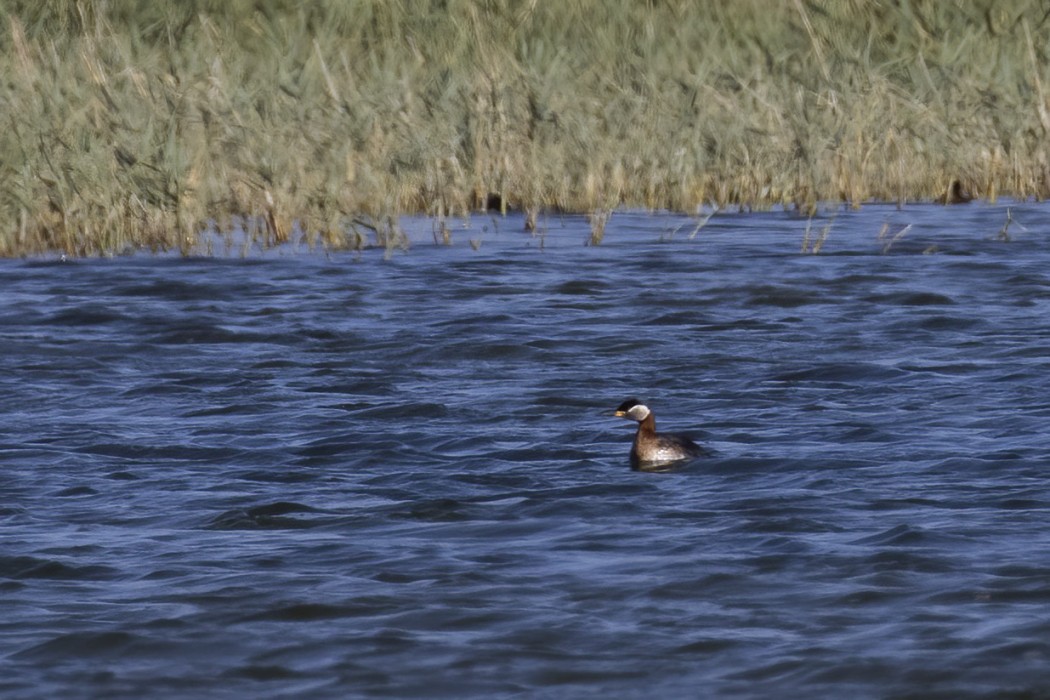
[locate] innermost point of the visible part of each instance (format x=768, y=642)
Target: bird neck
x=647, y=425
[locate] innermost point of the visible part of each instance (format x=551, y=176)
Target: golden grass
x=138, y=125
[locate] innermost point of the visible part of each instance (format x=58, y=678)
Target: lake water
x=361, y=474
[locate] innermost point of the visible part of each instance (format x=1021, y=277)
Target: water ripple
x=318, y=476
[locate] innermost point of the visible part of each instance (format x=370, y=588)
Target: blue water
x=397, y=474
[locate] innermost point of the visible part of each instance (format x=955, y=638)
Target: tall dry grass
x=132, y=124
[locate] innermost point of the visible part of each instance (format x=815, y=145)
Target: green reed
x=132, y=124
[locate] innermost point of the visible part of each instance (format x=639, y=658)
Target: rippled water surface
x=358, y=474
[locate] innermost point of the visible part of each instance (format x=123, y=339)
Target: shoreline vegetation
x=136, y=125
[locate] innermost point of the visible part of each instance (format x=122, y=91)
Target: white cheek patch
x=639, y=412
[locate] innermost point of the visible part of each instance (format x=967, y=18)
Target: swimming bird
x=650, y=448
x=955, y=194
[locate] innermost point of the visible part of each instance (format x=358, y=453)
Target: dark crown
x=629, y=404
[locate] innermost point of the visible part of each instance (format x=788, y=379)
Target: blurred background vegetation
x=135, y=124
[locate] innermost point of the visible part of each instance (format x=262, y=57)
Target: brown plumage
x=956, y=194
x=650, y=448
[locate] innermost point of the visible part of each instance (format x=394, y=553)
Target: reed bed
x=139, y=125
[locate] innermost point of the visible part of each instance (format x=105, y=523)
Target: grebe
x=650, y=448
x=955, y=194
